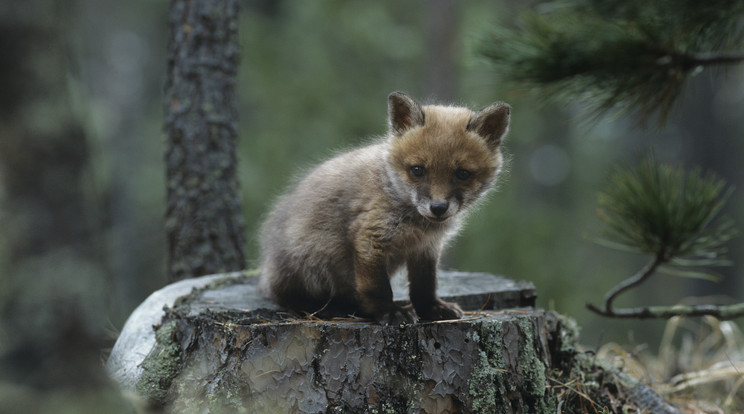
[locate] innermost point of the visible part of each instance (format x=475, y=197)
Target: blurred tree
x=118, y=51
x=441, y=66
x=204, y=222
x=52, y=290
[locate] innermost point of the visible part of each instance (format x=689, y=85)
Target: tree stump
x=219, y=347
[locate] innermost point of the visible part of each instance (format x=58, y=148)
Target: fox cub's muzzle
x=438, y=208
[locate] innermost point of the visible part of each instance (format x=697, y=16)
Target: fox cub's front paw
x=441, y=310
x=396, y=315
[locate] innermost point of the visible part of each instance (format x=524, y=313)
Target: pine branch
x=673, y=216
x=635, y=55
x=660, y=210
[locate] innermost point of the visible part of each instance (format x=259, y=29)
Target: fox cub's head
x=443, y=158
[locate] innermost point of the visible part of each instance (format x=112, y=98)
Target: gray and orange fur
x=337, y=237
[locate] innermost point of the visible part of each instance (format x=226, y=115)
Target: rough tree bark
x=218, y=347
x=204, y=223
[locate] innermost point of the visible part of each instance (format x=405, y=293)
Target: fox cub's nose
x=438, y=207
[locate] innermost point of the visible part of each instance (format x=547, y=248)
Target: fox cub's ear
x=403, y=113
x=491, y=123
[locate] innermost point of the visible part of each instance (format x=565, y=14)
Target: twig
x=721, y=312
x=629, y=283
x=703, y=59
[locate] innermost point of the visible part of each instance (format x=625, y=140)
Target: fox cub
x=334, y=241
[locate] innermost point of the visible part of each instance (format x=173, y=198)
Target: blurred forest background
x=314, y=79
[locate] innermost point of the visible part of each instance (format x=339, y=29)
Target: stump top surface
x=472, y=291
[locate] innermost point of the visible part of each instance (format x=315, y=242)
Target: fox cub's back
x=337, y=236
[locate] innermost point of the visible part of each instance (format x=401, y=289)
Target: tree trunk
x=443, y=19
x=204, y=222
x=219, y=347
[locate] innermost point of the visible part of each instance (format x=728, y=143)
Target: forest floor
x=699, y=365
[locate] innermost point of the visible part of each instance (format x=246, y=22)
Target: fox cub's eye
x=462, y=174
x=417, y=171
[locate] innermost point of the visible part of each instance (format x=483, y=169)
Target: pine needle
x=664, y=211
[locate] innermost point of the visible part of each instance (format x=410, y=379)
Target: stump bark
x=219, y=347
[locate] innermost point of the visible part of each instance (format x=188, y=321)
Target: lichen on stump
x=488, y=361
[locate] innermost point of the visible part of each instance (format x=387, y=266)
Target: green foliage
x=636, y=54
x=673, y=215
